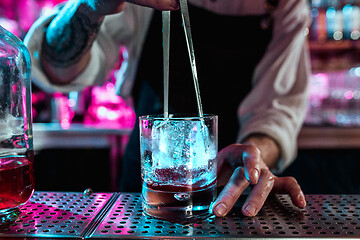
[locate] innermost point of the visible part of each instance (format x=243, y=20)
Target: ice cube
x=10, y=125
x=186, y=143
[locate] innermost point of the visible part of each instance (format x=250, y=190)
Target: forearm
x=67, y=42
x=269, y=149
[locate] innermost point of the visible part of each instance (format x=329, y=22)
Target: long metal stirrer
x=186, y=24
x=166, y=50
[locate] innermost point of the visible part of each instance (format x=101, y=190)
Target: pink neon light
x=108, y=109
x=349, y=95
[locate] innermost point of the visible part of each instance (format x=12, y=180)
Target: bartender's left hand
x=241, y=165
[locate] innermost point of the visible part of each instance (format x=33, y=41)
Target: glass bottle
x=16, y=140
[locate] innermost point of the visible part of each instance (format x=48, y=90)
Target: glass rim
x=177, y=117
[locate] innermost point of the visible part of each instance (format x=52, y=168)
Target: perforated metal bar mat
x=56, y=214
x=111, y=215
x=326, y=216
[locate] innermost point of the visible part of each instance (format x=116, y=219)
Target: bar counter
x=329, y=137
x=54, y=215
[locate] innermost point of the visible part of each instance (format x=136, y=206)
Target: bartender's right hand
x=108, y=7
x=241, y=165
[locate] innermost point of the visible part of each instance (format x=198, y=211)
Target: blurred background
x=77, y=135
x=83, y=134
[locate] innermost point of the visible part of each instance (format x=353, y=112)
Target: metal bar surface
x=325, y=217
x=56, y=215
x=53, y=215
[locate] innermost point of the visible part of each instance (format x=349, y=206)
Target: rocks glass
x=178, y=165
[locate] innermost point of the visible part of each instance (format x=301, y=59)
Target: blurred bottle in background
x=334, y=20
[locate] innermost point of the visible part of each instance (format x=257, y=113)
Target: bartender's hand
x=241, y=165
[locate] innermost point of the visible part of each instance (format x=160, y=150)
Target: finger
x=290, y=186
x=162, y=5
x=231, y=192
x=121, y=7
x=226, y=173
x=236, y=155
x=231, y=156
x=228, y=159
x=259, y=193
x=251, y=158
x=221, y=160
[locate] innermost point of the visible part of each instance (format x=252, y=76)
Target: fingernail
x=250, y=209
x=301, y=198
x=255, y=174
x=221, y=209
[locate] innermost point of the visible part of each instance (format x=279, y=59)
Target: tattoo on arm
x=68, y=47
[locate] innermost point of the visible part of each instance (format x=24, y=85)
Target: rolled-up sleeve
x=277, y=104
x=125, y=29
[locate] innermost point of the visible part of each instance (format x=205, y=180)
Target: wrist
x=98, y=9
x=269, y=148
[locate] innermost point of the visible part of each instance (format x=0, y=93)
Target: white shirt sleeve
x=125, y=29
x=277, y=104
